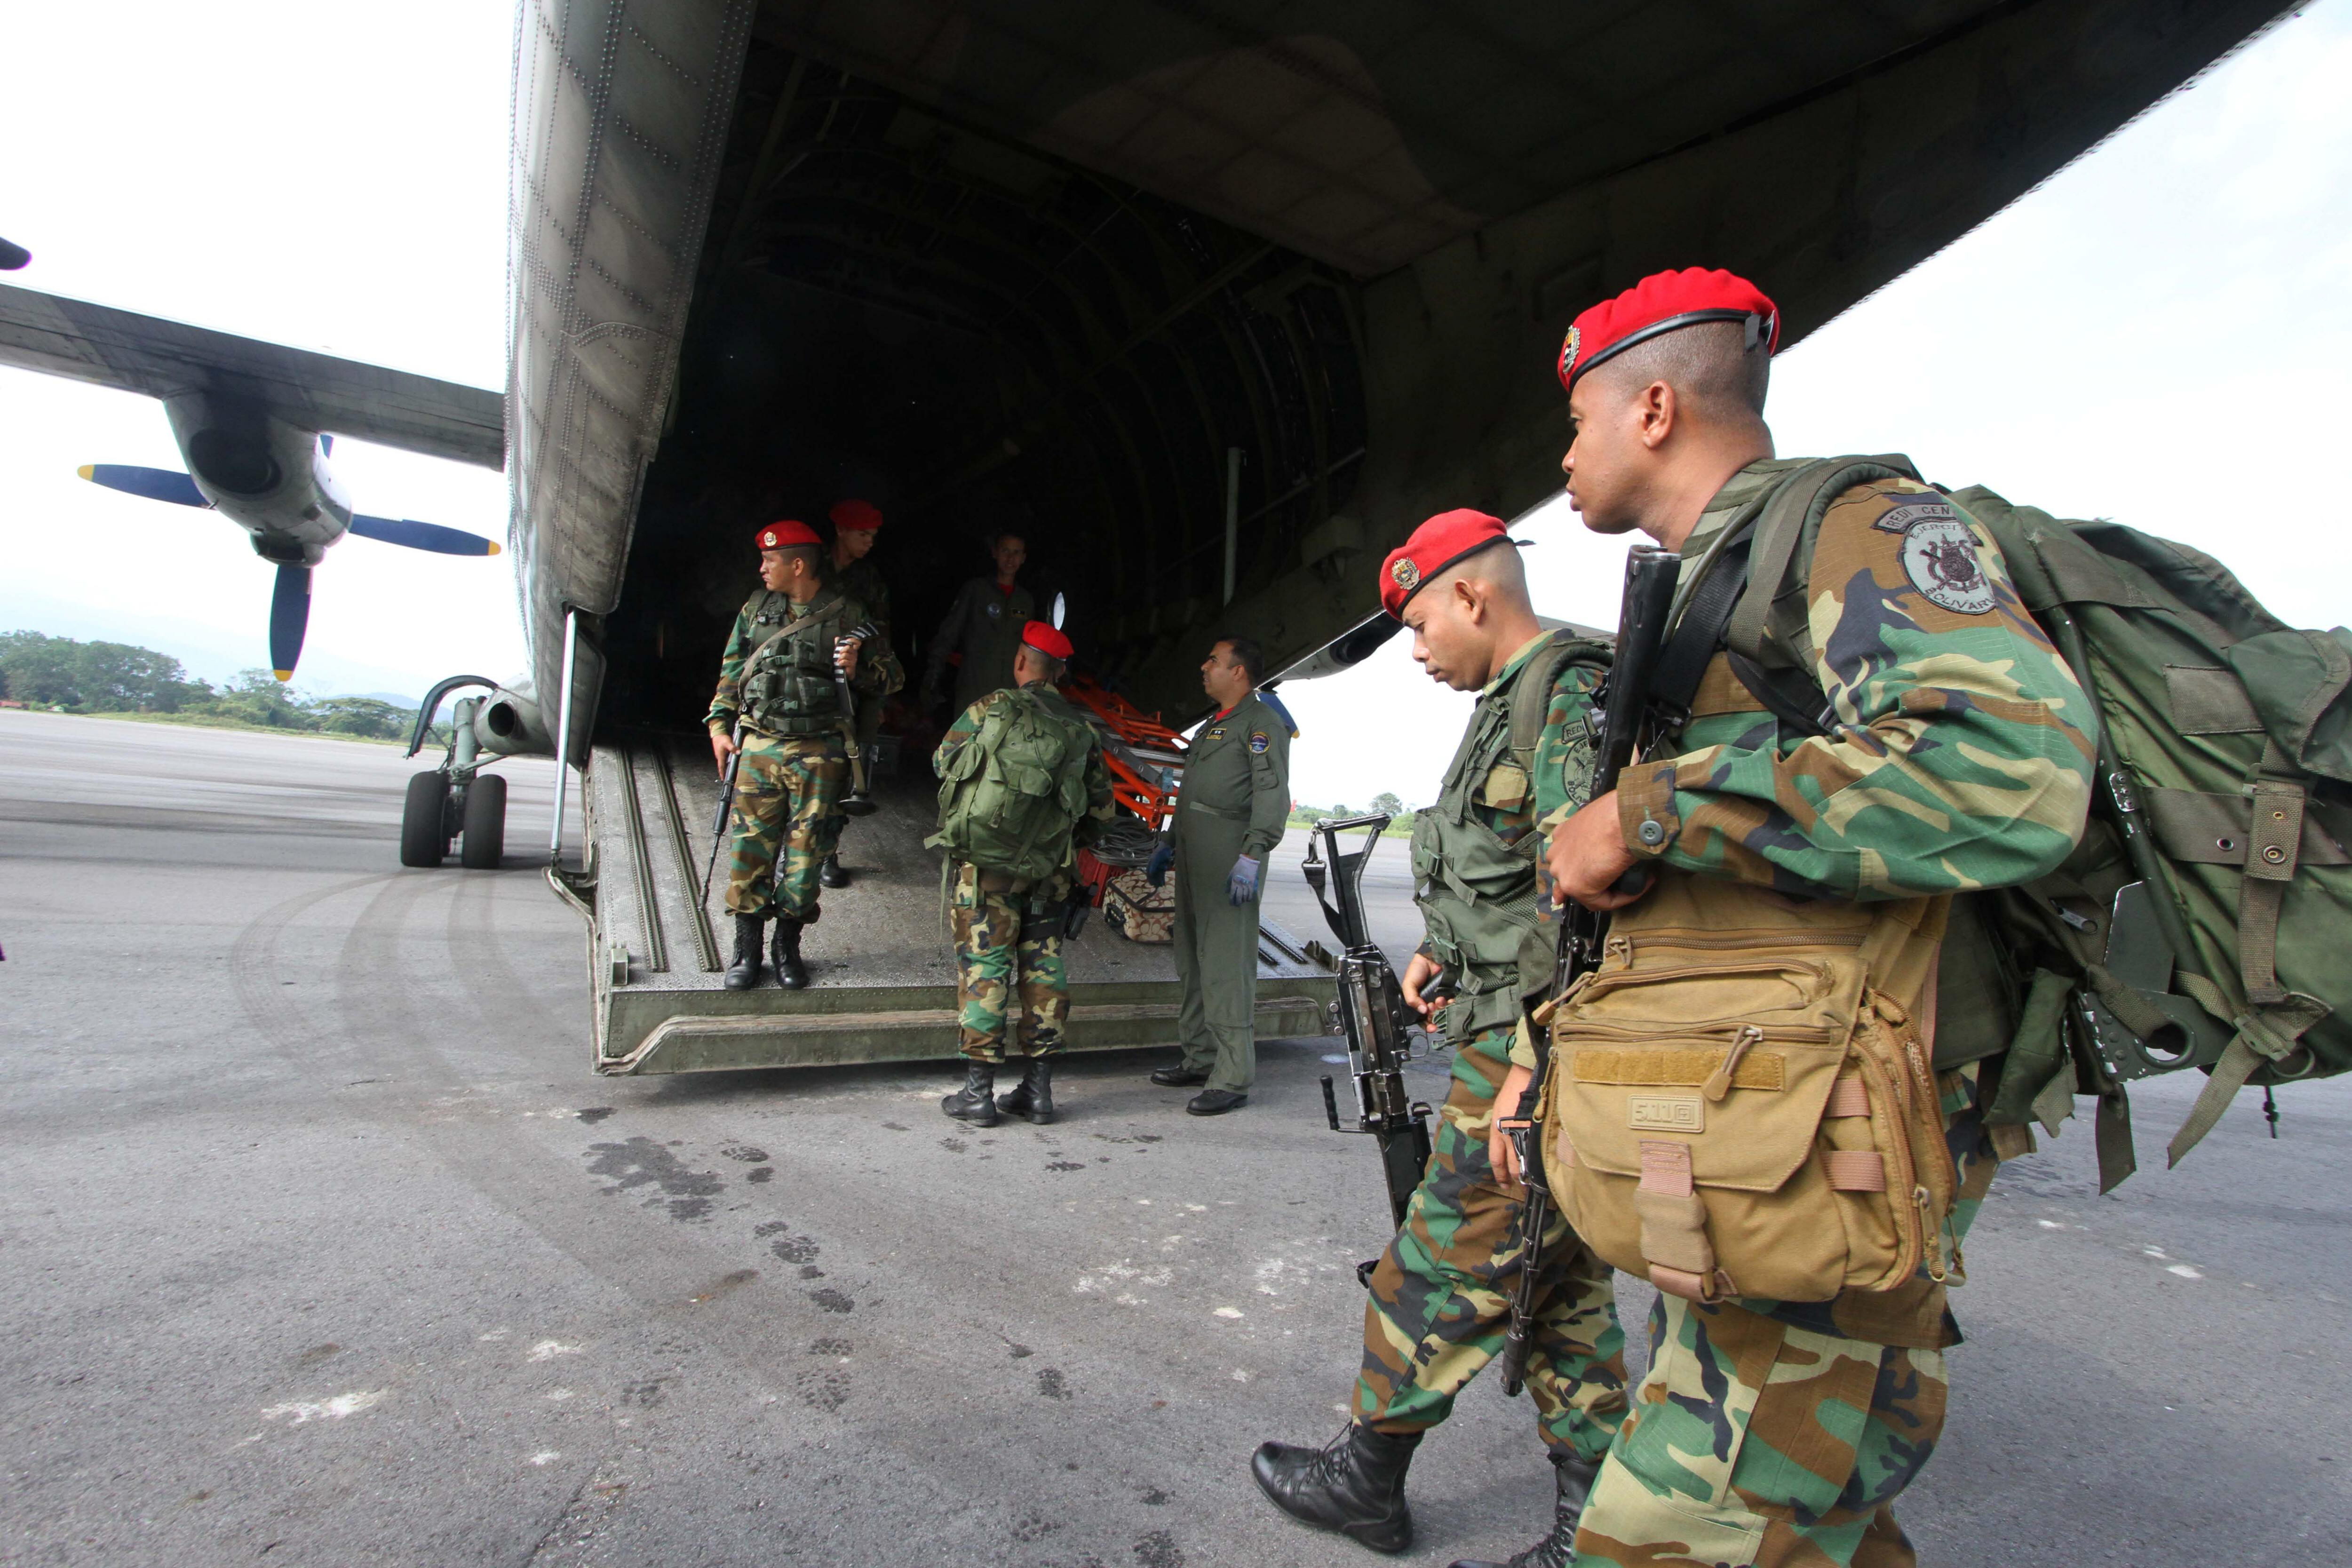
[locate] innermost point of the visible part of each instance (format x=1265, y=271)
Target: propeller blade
x=289, y=617
x=155, y=484
x=414, y=535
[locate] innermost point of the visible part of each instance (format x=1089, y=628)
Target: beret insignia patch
x=768, y=539
x=1940, y=556
x=1258, y=741
x=1568, y=351
x=1407, y=574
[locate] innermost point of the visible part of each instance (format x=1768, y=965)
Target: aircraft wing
x=131, y=352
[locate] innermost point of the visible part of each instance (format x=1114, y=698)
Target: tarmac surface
x=322, y=1246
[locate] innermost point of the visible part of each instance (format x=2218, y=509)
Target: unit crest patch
x=1939, y=555
x=1258, y=741
x=1407, y=574
x=993, y=609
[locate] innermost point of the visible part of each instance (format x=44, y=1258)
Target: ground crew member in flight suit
x=984, y=625
x=1011, y=860
x=1230, y=814
x=779, y=701
x=1441, y=1294
x=1957, y=755
x=855, y=524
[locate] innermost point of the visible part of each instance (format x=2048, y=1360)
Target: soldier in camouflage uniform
x=852, y=570
x=1009, y=880
x=779, y=703
x=1441, y=1294
x=1958, y=757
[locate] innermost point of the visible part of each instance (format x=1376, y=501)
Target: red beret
x=1046, y=639
x=1445, y=540
x=856, y=516
x=784, y=534
x=1660, y=303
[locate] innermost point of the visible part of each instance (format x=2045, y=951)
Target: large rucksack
x=2200, y=921
x=1011, y=797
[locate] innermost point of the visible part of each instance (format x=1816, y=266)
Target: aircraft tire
x=423, y=841
x=486, y=823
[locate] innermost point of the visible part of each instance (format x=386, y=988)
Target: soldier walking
x=1022, y=786
x=1230, y=815
x=855, y=524
x=983, y=625
x=796, y=643
x=1881, y=725
x=1441, y=1294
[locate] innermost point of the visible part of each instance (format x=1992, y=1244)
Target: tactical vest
x=1011, y=797
x=1477, y=891
x=789, y=683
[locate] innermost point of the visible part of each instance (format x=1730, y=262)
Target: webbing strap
x=2273, y=840
x=2265, y=1035
x=1699, y=631
x=1848, y=1097
x=1798, y=499
x=1855, y=1170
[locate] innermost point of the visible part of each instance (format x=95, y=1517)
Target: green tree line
x=42, y=671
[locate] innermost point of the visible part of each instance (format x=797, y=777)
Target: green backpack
x=1011, y=797
x=2200, y=921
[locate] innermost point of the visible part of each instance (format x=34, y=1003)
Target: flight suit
x=1780, y=1432
x=1441, y=1295
x=1012, y=992
x=1235, y=801
x=984, y=625
x=795, y=761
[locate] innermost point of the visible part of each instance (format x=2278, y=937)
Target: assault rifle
x=857, y=802
x=1372, y=1015
x=1615, y=723
x=726, y=805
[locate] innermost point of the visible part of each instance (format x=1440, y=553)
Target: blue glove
x=1155, y=870
x=1241, y=888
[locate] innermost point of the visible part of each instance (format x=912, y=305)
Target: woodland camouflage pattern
x=1965, y=757
x=994, y=958
x=1441, y=1294
x=1771, y=1433
x=785, y=795
x=879, y=670
x=1009, y=942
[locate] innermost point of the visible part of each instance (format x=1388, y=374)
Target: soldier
x=795, y=644
x=984, y=625
x=1010, y=860
x=1441, y=1293
x=1950, y=753
x=1230, y=814
x=855, y=525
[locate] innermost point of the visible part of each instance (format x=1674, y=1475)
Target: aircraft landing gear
x=457, y=801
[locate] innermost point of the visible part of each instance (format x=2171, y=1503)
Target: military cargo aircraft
x=1211, y=302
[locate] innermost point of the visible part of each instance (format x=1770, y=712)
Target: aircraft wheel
x=423, y=839
x=486, y=823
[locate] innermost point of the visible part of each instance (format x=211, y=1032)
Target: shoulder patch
x=1940, y=556
x=1258, y=741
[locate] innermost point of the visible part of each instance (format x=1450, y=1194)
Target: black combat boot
x=1355, y=1485
x=829, y=874
x=785, y=953
x=976, y=1101
x=1574, y=1478
x=1032, y=1097
x=744, y=973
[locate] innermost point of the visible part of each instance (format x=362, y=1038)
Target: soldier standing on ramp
x=779, y=701
x=855, y=524
x=1022, y=784
x=1229, y=816
x=1879, y=726
x=984, y=625
x=1441, y=1294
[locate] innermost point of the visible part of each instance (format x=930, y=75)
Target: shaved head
x=1497, y=572
x=1469, y=619
x=1717, y=379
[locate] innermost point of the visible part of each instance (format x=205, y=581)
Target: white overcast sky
x=2162, y=335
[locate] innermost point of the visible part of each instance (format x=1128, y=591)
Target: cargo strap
x=2266, y=1036
x=1674, y=1226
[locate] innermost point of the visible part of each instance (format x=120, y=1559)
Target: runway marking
x=548, y=1349
x=335, y=1409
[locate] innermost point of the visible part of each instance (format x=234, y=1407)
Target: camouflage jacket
x=1101, y=806
x=877, y=667
x=863, y=581
x=1962, y=758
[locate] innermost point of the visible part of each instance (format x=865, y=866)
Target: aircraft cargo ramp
x=882, y=975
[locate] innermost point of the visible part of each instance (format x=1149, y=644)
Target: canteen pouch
x=1744, y=1109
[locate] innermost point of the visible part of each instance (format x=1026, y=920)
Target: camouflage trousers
x=1781, y=1433
x=1440, y=1296
x=785, y=792
x=1008, y=941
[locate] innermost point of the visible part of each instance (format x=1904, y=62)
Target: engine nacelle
x=263, y=474
x=508, y=723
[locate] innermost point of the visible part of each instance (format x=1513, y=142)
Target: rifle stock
x=1615, y=722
